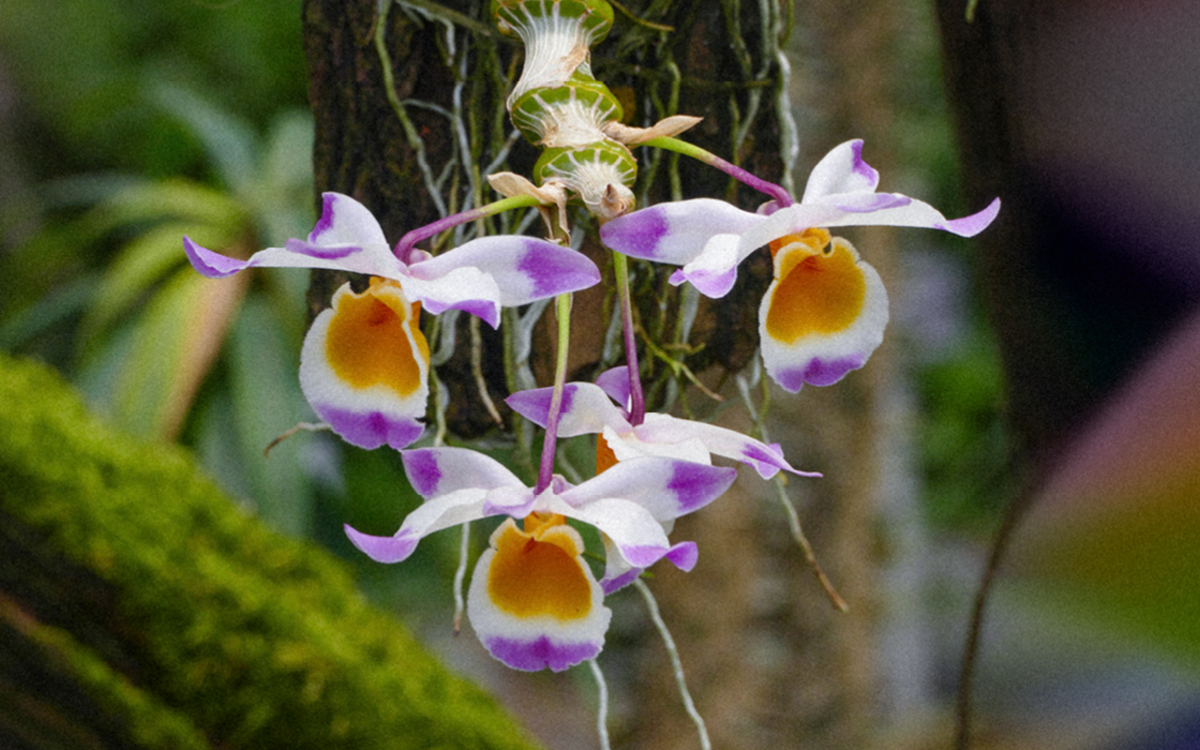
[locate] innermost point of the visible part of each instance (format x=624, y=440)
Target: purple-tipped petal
x=615, y=382
x=436, y=472
x=661, y=430
x=691, y=485
x=421, y=468
x=486, y=310
x=534, y=404
x=552, y=270
x=357, y=246
x=210, y=264
x=675, y=232
x=372, y=429
x=643, y=555
x=864, y=171
x=345, y=221
x=817, y=372
x=536, y=655
x=384, y=549
x=637, y=234
x=664, y=487
x=969, y=226
x=518, y=270
x=841, y=171
x=585, y=409
x=766, y=460
x=712, y=284
x=684, y=556
x=618, y=582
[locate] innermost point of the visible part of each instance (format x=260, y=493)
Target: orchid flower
x=365, y=363
x=480, y=277
x=533, y=600
x=826, y=309
x=589, y=409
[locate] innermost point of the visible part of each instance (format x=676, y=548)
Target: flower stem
x=409, y=240
x=562, y=310
x=781, y=196
x=637, y=400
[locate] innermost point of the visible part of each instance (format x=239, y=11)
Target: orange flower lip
x=374, y=339
x=818, y=291
x=540, y=573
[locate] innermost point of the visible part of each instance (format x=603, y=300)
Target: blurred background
x=1055, y=364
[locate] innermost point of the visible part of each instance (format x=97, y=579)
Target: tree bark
x=718, y=62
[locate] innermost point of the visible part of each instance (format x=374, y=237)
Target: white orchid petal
x=364, y=367
x=810, y=330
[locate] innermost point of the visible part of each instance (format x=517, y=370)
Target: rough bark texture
x=717, y=63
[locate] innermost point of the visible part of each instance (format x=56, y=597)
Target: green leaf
x=228, y=140
x=190, y=202
x=141, y=264
x=148, y=372
x=267, y=401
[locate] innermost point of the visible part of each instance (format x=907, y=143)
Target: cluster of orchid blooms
x=533, y=601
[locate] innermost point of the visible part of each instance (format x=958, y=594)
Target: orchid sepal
x=480, y=277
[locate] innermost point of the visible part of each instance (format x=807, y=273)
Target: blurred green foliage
x=137, y=123
x=81, y=69
x=967, y=475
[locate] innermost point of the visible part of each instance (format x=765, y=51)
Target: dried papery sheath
x=557, y=35
x=600, y=174
x=571, y=115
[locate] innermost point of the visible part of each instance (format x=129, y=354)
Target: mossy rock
x=140, y=607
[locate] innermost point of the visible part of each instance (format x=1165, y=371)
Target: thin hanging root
x=676, y=664
x=460, y=575
x=305, y=426
x=639, y=21
x=780, y=483
x=677, y=366
x=602, y=700
x=477, y=371
x=798, y=534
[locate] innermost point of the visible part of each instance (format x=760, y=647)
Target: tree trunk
x=719, y=62
x=1079, y=118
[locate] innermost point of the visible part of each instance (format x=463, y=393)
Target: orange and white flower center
x=374, y=339
x=820, y=288
x=539, y=571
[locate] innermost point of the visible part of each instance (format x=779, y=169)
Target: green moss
x=258, y=640
x=150, y=724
